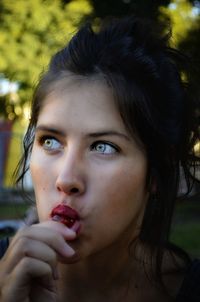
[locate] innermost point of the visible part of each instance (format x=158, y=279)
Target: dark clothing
x=190, y=288
x=3, y=246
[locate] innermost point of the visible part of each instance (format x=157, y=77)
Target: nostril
x=70, y=187
x=74, y=190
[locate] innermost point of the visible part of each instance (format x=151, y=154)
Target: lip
x=66, y=215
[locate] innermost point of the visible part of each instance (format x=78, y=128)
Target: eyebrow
x=49, y=129
x=108, y=133
x=92, y=134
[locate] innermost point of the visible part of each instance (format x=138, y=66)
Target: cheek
x=126, y=180
x=42, y=184
x=37, y=169
x=119, y=207
x=128, y=193
x=40, y=169
x=124, y=195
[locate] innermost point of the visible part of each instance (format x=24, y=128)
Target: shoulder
x=3, y=246
x=190, y=288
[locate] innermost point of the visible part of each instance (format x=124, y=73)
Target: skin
x=109, y=185
x=84, y=157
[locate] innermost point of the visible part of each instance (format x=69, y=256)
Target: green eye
x=50, y=144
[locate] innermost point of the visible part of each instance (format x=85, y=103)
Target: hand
x=28, y=269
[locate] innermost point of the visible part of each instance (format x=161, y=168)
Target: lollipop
x=65, y=215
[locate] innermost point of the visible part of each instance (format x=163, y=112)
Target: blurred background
x=30, y=32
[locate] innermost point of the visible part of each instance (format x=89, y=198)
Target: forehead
x=87, y=100
x=70, y=84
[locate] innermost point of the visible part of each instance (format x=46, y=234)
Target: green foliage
x=186, y=225
x=13, y=211
x=182, y=17
x=30, y=32
x=185, y=21
x=186, y=236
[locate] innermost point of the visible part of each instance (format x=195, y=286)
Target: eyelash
x=116, y=148
x=41, y=139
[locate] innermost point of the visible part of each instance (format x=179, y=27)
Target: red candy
x=65, y=215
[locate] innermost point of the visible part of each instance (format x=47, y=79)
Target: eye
x=50, y=143
x=104, y=148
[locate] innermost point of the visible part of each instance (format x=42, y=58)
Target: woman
x=110, y=128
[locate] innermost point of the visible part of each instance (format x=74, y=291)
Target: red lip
x=65, y=215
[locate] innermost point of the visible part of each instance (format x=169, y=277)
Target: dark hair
x=157, y=107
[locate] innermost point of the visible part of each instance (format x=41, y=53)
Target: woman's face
x=84, y=157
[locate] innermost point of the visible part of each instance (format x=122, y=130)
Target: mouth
x=65, y=215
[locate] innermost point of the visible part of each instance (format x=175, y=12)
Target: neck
x=99, y=273
x=102, y=277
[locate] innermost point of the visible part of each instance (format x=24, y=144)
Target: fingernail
x=68, y=251
x=70, y=232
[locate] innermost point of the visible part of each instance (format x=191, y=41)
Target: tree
x=183, y=17
x=185, y=20
x=30, y=32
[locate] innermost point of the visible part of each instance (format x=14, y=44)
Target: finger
x=27, y=247
x=67, y=233
x=36, y=243
x=48, y=235
x=18, y=284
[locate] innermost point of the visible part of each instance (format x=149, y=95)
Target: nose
x=71, y=176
